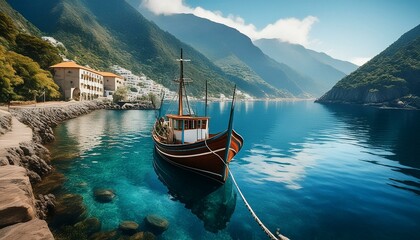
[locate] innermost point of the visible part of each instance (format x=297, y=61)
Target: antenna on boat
x=229, y=132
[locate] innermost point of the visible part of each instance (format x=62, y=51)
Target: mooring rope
x=254, y=215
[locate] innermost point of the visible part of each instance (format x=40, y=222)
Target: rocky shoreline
x=27, y=178
x=25, y=161
x=388, y=98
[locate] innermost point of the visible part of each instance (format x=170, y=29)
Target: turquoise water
x=313, y=171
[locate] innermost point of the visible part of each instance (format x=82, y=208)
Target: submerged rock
x=143, y=236
x=108, y=235
x=50, y=184
x=104, y=195
x=156, y=224
x=89, y=225
x=69, y=210
x=128, y=227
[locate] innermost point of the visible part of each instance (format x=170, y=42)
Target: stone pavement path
x=19, y=133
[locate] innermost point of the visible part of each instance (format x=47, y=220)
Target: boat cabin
x=188, y=129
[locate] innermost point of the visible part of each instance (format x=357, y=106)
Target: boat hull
x=203, y=157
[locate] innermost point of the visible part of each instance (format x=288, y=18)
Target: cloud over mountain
x=290, y=30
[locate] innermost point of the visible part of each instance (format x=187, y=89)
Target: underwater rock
x=69, y=210
x=50, y=184
x=89, y=225
x=108, y=235
x=128, y=227
x=156, y=224
x=104, y=195
x=143, y=236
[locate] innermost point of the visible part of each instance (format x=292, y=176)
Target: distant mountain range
x=392, y=78
x=220, y=54
x=324, y=70
x=278, y=64
x=231, y=51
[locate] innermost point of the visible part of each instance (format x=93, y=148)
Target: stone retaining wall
x=5, y=122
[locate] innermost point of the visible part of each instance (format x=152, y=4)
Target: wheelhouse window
x=203, y=124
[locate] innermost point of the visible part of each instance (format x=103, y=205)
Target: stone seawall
x=5, y=122
x=24, y=160
x=43, y=119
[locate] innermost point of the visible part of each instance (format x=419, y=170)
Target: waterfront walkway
x=19, y=133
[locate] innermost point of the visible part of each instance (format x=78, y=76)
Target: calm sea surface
x=313, y=171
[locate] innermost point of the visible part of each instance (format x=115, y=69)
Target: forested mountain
x=232, y=51
x=24, y=59
x=323, y=69
x=392, y=78
x=104, y=33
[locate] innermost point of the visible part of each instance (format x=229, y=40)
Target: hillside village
x=84, y=83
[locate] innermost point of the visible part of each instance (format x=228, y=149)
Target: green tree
x=154, y=100
x=8, y=79
x=7, y=28
x=120, y=94
x=39, y=50
x=30, y=78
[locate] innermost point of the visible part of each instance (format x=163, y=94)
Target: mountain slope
x=104, y=33
x=340, y=65
x=392, y=78
x=24, y=59
x=307, y=62
x=222, y=44
x=19, y=22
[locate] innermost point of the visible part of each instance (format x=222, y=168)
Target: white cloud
x=166, y=7
x=359, y=61
x=291, y=30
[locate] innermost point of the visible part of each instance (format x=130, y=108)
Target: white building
x=140, y=85
x=83, y=83
x=78, y=82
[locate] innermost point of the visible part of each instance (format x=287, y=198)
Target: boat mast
x=181, y=89
x=181, y=83
x=205, y=111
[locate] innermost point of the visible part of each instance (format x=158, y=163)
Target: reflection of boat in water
x=210, y=201
x=183, y=139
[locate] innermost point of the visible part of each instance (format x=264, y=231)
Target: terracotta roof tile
x=108, y=74
x=73, y=65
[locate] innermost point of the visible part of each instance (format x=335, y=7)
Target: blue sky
x=350, y=30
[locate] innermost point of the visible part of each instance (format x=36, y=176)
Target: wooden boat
x=183, y=139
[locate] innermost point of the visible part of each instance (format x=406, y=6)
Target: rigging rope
x=254, y=215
